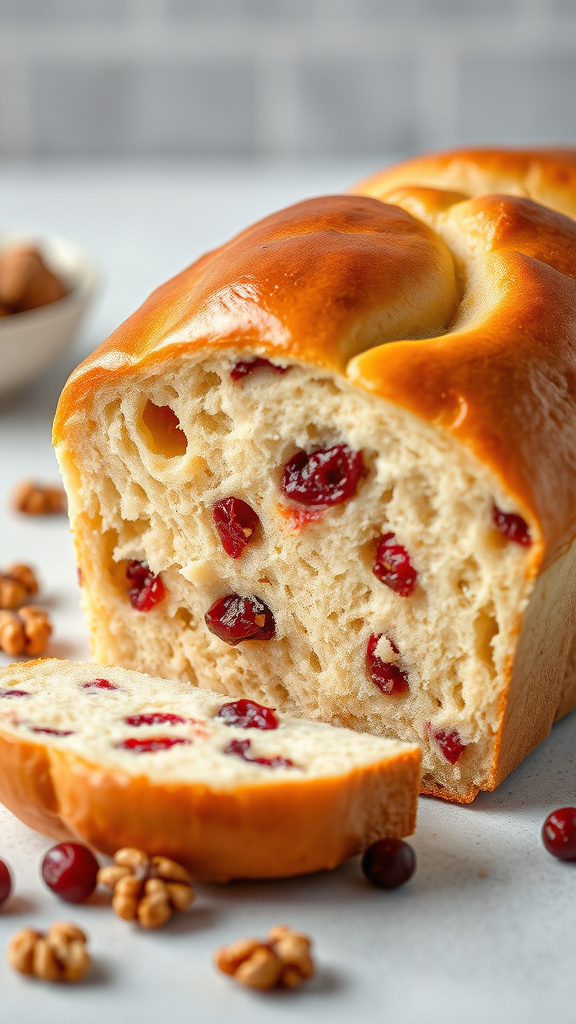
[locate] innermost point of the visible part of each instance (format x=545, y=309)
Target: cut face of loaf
x=356, y=540
x=231, y=789
x=454, y=627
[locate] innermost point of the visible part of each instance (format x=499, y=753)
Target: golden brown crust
x=546, y=175
x=251, y=832
x=305, y=283
x=26, y=786
x=430, y=788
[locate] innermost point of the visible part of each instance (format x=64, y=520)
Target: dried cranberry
x=450, y=744
x=14, y=693
x=99, y=684
x=247, y=714
x=242, y=369
x=559, y=833
x=512, y=526
x=392, y=565
x=5, y=882
x=70, y=870
x=389, y=863
x=234, y=619
x=147, y=590
x=385, y=674
x=152, y=744
x=327, y=476
x=241, y=748
x=235, y=522
x=155, y=718
x=51, y=732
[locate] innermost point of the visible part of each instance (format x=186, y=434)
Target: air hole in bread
x=184, y=616
x=486, y=628
x=114, y=569
x=131, y=537
x=206, y=381
x=387, y=494
x=357, y=625
x=313, y=431
x=315, y=662
x=280, y=695
x=458, y=696
x=466, y=577
x=163, y=434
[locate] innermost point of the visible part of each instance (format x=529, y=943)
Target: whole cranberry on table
x=70, y=870
x=559, y=833
x=5, y=882
x=389, y=863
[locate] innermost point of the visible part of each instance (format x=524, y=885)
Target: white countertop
x=485, y=931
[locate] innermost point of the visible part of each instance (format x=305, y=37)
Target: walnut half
x=146, y=889
x=26, y=631
x=36, y=499
x=17, y=584
x=281, y=961
x=60, y=955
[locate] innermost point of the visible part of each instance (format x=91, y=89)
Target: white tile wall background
x=282, y=77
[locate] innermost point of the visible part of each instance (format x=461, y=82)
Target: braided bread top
x=546, y=175
x=461, y=310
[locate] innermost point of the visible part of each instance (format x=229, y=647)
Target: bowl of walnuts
x=45, y=288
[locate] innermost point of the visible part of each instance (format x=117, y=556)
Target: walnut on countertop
x=17, y=584
x=60, y=955
x=146, y=889
x=26, y=631
x=281, y=961
x=34, y=499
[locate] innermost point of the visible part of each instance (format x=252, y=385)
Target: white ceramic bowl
x=31, y=341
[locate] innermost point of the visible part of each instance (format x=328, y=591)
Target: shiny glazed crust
x=355, y=270
x=546, y=175
x=456, y=305
x=264, y=830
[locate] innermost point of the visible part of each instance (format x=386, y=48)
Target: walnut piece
x=146, y=889
x=36, y=499
x=26, y=631
x=60, y=955
x=17, y=584
x=281, y=961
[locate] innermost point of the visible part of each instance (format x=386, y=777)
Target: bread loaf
x=231, y=789
x=331, y=466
